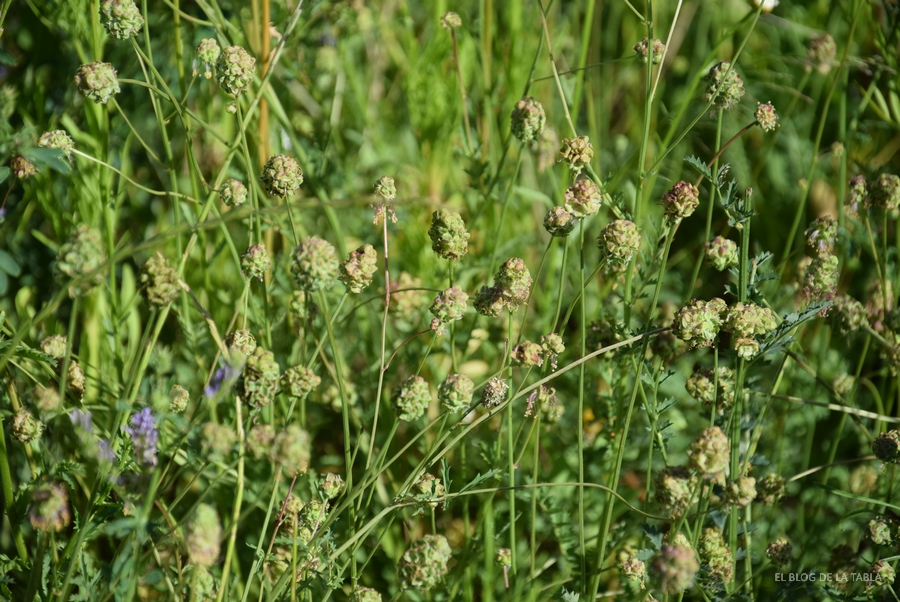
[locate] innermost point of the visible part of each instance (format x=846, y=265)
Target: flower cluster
x=698, y=322
x=559, y=221
x=81, y=255
x=721, y=253
x=642, y=50
x=619, y=242
x=281, y=176
x=315, y=264
x=583, y=198
x=357, y=271
x=97, y=81
x=299, y=381
x=527, y=120
x=710, y=453
x=680, y=201
x=576, y=152
x=424, y=564
x=233, y=193
x=511, y=288
x=121, y=18
x=716, y=556
x=260, y=378
x=455, y=392
x=411, y=399
x=234, y=69
x=208, y=52
x=160, y=281
x=144, y=437
x=449, y=238
x=725, y=88
x=672, y=568
x=494, y=392
x=718, y=393
x=450, y=305
x=255, y=262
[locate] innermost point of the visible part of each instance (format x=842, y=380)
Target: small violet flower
x=144, y=437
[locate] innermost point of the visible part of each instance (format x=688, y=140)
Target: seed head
x=234, y=70
x=715, y=554
x=208, y=52
x=884, y=576
x=544, y=399
x=635, y=569
x=820, y=53
x=642, y=50
x=494, y=392
x=385, y=189
x=179, y=398
x=576, y=152
x=725, y=87
x=424, y=564
x=750, y=320
x=58, y=139
x=672, y=568
x=50, y=507
x=503, y=558
x=674, y=487
x=770, y=489
x=241, y=342
x=217, y=440
x=21, y=167
x=46, y=399
x=79, y=256
x=489, y=301
x=448, y=306
x=710, y=453
x=766, y=116
x=741, y=492
x=299, y=381
x=315, y=264
x=385, y=193
x=260, y=378
x=857, y=196
x=849, y=314
x=583, y=198
x=55, y=346
x=821, y=279
x=97, y=81
x=160, y=281
x=528, y=355
x=885, y=192
x=779, y=552
x=204, y=534
x=619, y=242
x=821, y=235
x=292, y=450
x=528, y=120
x=76, y=380
x=876, y=296
x=701, y=387
x=121, y=18
x=332, y=485
x=551, y=346
x=281, y=176
x=255, y=262
x=886, y=447
x=451, y=20
x=25, y=427
x=260, y=441
x=698, y=322
x=880, y=530
x=721, y=253
x=356, y=272
x=514, y=282
x=560, y=222
x=449, y=238
x=233, y=193
x=455, y=393
x=411, y=399
x=681, y=201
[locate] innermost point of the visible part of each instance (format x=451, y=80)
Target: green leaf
x=4, y=173
x=9, y=265
x=52, y=158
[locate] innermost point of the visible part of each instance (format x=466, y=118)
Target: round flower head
x=527, y=120
x=385, y=193
x=448, y=306
x=822, y=234
x=234, y=70
x=260, y=378
x=411, y=399
x=722, y=253
x=642, y=50
x=25, y=427
x=233, y=193
x=160, y=281
x=424, y=564
x=58, y=139
x=292, y=450
x=766, y=116
x=97, y=81
x=576, y=152
x=820, y=53
x=884, y=192
x=635, y=570
x=741, y=492
x=217, y=440
x=489, y=301
x=179, y=398
x=121, y=18
x=365, y=594
x=82, y=254
x=255, y=262
x=770, y=489
x=21, y=167
x=494, y=392
x=451, y=20
x=503, y=558
x=331, y=485
x=449, y=238
x=204, y=535
x=674, y=487
x=880, y=529
x=779, y=553
x=528, y=355
x=583, y=198
x=514, y=282
x=710, y=453
x=430, y=489
x=55, y=346
x=50, y=507
x=619, y=242
x=260, y=440
x=455, y=393
x=750, y=320
x=299, y=381
x=672, y=568
x=385, y=189
x=886, y=447
x=315, y=264
x=281, y=176
x=719, y=394
x=208, y=52
x=725, y=87
x=681, y=201
x=356, y=273
x=46, y=399
x=560, y=222
x=821, y=279
x=698, y=322
x=884, y=576
x=241, y=342
x=716, y=555
x=77, y=382
x=858, y=196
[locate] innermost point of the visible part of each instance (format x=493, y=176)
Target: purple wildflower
x=104, y=451
x=224, y=374
x=144, y=437
x=82, y=419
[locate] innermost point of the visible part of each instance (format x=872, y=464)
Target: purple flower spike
x=144, y=437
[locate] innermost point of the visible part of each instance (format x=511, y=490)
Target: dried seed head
x=886, y=447
x=576, y=152
x=455, y=393
x=681, y=201
x=299, y=381
x=725, y=87
x=292, y=450
x=97, y=81
x=281, y=176
x=779, y=552
x=25, y=427
x=82, y=254
x=560, y=222
x=619, y=242
x=411, y=399
x=179, y=398
x=424, y=564
x=233, y=193
x=528, y=120
x=884, y=192
x=50, y=510
x=449, y=238
x=21, y=167
x=642, y=50
x=121, y=18
x=722, y=253
x=160, y=281
x=583, y=198
x=770, y=489
x=356, y=272
x=710, y=453
x=315, y=264
x=234, y=70
x=260, y=378
x=494, y=392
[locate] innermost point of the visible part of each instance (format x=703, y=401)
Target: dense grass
x=124, y=245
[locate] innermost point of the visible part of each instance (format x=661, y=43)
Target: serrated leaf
x=700, y=166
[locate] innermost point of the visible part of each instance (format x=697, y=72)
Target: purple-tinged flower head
x=619, y=242
x=672, y=568
x=857, y=196
x=514, y=281
x=527, y=120
x=255, y=262
x=721, y=253
x=820, y=283
x=635, y=570
x=356, y=272
x=560, y=222
x=710, y=453
x=583, y=198
x=528, y=355
x=281, y=176
x=779, y=552
x=450, y=305
x=880, y=529
x=121, y=18
x=82, y=419
x=642, y=50
x=822, y=234
x=144, y=437
x=884, y=192
x=680, y=201
x=766, y=117
x=233, y=193
x=576, y=152
x=225, y=375
x=385, y=193
x=770, y=489
x=234, y=70
x=725, y=87
x=489, y=301
x=449, y=237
